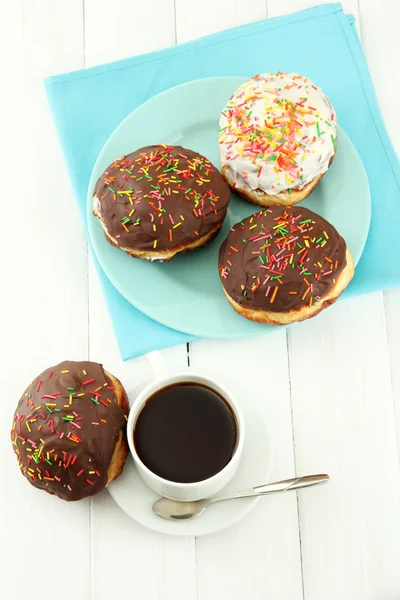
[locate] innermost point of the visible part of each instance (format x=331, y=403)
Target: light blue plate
x=186, y=294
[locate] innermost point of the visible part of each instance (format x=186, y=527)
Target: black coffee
x=186, y=432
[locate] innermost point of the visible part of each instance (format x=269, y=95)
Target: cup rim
x=163, y=381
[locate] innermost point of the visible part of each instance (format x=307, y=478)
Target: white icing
x=299, y=120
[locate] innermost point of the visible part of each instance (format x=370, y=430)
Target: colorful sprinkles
x=277, y=133
x=281, y=258
x=52, y=433
x=159, y=197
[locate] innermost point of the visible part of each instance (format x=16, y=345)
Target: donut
x=68, y=430
x=159, y=201
x=283, y=264
x=277, y=139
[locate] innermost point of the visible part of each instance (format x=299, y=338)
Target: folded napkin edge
x=370, y=95
x=183, y=48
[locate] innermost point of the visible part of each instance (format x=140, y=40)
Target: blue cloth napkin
x=321, y=43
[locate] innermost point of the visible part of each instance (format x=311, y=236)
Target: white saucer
x=136, y=499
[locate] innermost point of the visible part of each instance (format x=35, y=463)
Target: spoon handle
x=279, y=486
x=291, y=484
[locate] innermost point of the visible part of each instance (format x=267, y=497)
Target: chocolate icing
x=280, y=259
x=161, y=197
x=68, y=456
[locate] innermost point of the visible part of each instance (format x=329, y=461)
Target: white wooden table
x=333, y=398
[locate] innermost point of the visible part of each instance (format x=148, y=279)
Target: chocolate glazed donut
x=69, y=430
x=283, y=264
x=160, y=200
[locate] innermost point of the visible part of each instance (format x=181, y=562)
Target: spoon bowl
x=176, y=511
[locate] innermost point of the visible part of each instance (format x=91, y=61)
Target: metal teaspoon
x=176, y=510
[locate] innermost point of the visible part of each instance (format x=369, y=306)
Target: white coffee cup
x=199, y=489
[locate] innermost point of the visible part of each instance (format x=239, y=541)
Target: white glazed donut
x=277, y=138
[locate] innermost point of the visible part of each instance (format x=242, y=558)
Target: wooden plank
x=159, y=566
x=44, y=299
x=260, y=556
x=348, y=541
x=276, y=8
x=215, y=16
x=126, y=28
x=392, y=303
x=380, y=38
x=344, y=425
x=348, y=430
